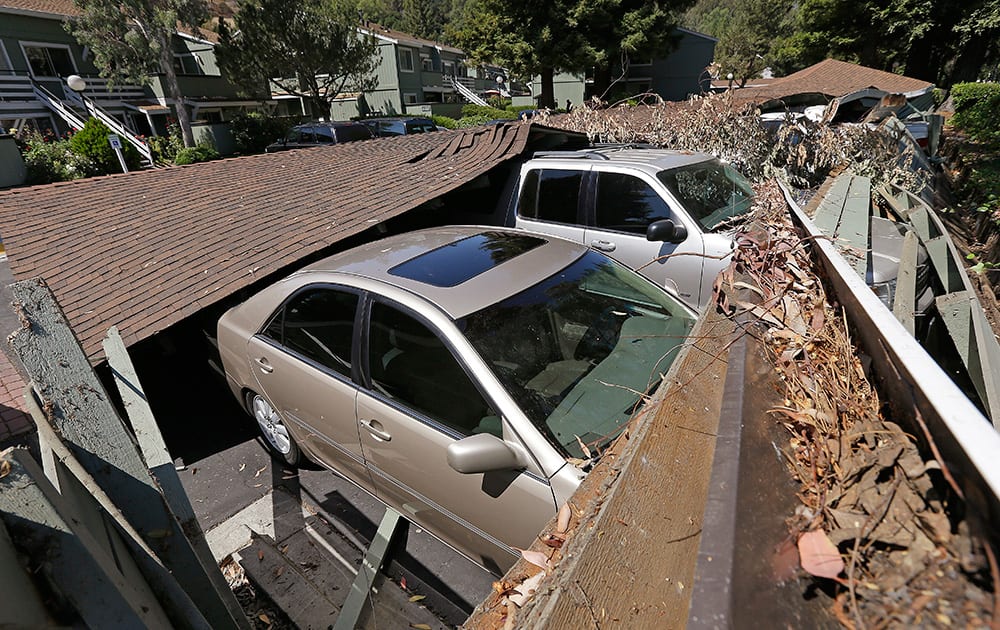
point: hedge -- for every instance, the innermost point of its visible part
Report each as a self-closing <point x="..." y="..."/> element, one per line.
<point x="976" y="106"/>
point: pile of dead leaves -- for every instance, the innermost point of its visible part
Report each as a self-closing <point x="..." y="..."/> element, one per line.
<point x="799" y="151"/>
<point x="879" y="521"/>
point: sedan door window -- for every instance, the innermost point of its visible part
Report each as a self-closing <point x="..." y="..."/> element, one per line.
<point x="412" y="365"/>
<point x="627" y="204"/>
<point x="318" y="324"/>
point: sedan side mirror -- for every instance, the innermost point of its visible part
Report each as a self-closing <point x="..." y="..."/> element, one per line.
<point x="666" y="231"/>
<point x="483" y="453"/>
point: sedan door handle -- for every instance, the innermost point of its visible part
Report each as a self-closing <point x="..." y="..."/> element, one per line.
<point x="264" y="365"/>
<point x="604" y="246"/>
<point x="376" y="429"/>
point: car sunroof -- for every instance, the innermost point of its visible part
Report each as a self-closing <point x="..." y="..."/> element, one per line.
<point x="454" y="263"/>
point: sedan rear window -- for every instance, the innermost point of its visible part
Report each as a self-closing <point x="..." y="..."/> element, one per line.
<point x="579" y="350"/>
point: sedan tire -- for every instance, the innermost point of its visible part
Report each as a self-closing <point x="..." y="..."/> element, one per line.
<point x="276" y="438"/>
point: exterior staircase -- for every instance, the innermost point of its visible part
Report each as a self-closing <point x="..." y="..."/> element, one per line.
<point x="73" y="119"/>
<point x="466" y="93"/>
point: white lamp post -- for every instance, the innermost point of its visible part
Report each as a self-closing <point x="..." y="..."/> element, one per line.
<point x="76" y="83"/>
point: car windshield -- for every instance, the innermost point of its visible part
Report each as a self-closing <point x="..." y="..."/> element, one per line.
<point x="712" y="192"/>
<point x="579" y="350"/>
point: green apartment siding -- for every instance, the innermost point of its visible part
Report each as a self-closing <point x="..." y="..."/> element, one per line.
<point x="679" y="75"/>
<point x="15" y="29"/>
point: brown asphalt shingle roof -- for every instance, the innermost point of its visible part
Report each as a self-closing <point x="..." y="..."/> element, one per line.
<point x="832" y="78"/>
<point x="144" y="250"/>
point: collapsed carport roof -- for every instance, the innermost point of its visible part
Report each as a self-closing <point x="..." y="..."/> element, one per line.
<point x="144" y="250"/>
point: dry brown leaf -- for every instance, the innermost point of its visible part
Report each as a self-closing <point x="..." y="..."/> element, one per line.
<point x="263" y="617"/>
<point x="4" y="468"/>
<point x="818" y="556"/>
<point x="420" y="626"/>
<point x="260" y="555"/>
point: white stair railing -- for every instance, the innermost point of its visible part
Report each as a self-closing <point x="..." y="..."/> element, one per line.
<point x="55" y="104"/>
<point x="467" y="94"/>
<point x="114" y="125"/>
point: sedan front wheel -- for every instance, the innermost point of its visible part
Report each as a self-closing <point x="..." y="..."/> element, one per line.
<point x="272" y="428"/>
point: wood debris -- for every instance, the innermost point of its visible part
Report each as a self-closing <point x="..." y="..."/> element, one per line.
<point x="868" y="494"/>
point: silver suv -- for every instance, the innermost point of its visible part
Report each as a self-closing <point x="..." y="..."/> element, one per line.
<point x="668" y="214"/>
<point x="461" y="375"/>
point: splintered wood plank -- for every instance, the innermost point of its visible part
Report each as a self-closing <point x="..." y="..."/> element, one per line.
<point x="904" y="304"/>
<point x="161" y="464"/>
<point x="945" y="265"/>
<point x="855" y="223"/>
<point x="827" y="215"/>
<point x="79" y="410"/>
<point x="976" y="345"/>
<point x="48" y="531"/>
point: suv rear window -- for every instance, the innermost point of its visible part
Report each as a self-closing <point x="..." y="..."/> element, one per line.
<point x="551" y="195"/>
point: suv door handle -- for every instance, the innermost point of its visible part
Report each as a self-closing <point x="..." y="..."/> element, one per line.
<point x="604" y="246"/>
<point x="265" y="367"/>
<point x="375" y="429"/>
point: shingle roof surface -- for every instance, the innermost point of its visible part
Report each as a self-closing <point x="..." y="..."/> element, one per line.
<point x="833" y="78"/>
<point x="56" y="7"/>
<point x="144" y="250"/>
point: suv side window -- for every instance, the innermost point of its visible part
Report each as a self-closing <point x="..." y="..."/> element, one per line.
<point x="324" y="135"/>
<point x="318" y="324"/>
<point x="551" y="195"/>
<point x="410" y="364"/>
<point x="627" y="204"/>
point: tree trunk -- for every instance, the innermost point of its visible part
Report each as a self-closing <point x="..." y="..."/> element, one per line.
<point x="602" y="81"/>
<point x="547" y="98"/>
<point x="174" y="89"/>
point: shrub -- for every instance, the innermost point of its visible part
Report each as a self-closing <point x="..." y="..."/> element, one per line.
<point x="204" y="152"/>
<point x="490" y="113"/>
<point x="976" y="105"/>
<point x="49" y="159"/>
<point x="253" y="131"/>
<point x="472" y="121"/>
<point x="92" y="143"/>
<point x="444" y="121"/>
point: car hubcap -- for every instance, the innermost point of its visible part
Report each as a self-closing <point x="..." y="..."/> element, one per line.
<point x="271" y="427"/>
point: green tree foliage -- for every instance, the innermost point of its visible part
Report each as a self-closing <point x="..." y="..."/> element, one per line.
<point x="387" y="13"/>
<point x="132" y="40"/>
<point x="941" y="41"/>
<point x="92" y="143"/>
<point x="976" y="106"/>
<point x="529" y="37"/>
<point x="538" y="37"/>
<point x="424" y="18"/>
<point x="620" y="32"/>
<point x="309" y="48"/>
<point x="750" y="34"/>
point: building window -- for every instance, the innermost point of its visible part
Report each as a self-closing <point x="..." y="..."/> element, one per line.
<point x="426" y="64"/>
<point x="187" y="63"/>
<point x="5" y="65"/>
<point x="405" y="60"/>
<point x="409" y="98"/>
<point x="448" y="68"/>
<point x="49" y="60"/>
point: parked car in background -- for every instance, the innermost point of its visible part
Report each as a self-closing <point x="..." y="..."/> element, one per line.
<point x="382" y="127"/>
<point x="670" y="215"/>
<point x="459" y="374"/>
<point x="321" y="133"/>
